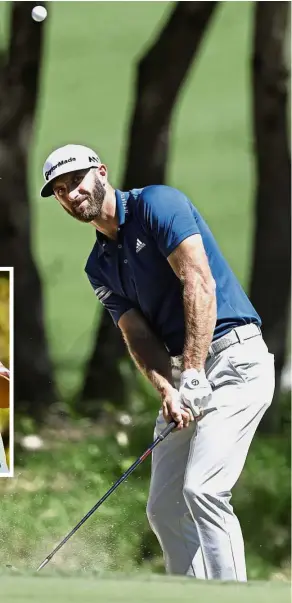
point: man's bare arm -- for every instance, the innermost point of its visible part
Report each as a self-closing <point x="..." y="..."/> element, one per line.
<point x="190" y="264"/>
<point x="153" y="360"/>
<point x="147" y="351"/>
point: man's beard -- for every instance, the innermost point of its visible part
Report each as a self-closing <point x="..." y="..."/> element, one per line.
<point x="92" y="209"/>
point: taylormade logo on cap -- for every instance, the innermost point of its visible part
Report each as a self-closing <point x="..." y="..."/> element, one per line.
<point x="48" y="174"/>
<point x="66" y="159"/>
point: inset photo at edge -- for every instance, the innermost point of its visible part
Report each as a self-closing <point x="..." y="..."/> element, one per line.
<point x="6" y="384"/>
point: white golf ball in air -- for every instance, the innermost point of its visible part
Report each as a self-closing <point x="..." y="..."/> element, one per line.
<point x="39" y="13"/>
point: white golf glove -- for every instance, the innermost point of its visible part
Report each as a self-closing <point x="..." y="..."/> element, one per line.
<point x="195" y="390"/>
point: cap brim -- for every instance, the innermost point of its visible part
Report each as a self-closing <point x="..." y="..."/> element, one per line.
<point x="47" y="190"/>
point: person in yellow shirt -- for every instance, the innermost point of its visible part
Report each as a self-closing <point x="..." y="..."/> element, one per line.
<point x="4" y="413"/>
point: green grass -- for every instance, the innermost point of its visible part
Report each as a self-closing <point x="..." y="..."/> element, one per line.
<point x="56" y="486"/>
<point x="127" y="589"/>
<point x="86" y="96"/>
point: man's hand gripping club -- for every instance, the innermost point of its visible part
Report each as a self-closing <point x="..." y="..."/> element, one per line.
<point x="173" y="409"/>
<point x="195" y="391"/>
<point x="187" y="404"/>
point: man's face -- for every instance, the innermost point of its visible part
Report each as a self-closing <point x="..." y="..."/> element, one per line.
<point x="81" y="193"/>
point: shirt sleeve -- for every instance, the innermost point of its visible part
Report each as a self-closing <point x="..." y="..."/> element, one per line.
<point x="168" y="215"/>
<point x="115" y="304"/>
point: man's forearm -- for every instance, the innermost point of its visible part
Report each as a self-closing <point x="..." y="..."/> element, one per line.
<point x="200" y="319"/>
<point x="150" y="356"/>
<point x="190" y="264"/>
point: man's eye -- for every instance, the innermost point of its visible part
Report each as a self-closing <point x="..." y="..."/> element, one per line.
<point x="77" y="179"/>
<point x="60" y="191"/>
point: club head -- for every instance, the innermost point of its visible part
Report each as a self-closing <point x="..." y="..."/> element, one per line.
<point x="43" y="564"/>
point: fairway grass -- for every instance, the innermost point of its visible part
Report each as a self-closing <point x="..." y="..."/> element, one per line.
<point x="125" y="589"/>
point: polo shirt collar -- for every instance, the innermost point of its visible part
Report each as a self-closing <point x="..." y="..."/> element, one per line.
<point x="122" y="205"/>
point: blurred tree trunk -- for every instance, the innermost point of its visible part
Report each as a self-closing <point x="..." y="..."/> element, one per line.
<point x="19" y="77"/>
<point x="270" y="281"/>
<point x="160" y="75"/>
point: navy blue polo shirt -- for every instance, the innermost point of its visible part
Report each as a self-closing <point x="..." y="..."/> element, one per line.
<point x="133" y="271"/>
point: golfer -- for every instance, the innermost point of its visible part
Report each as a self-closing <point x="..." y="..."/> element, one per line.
<point x="193" y="332"/>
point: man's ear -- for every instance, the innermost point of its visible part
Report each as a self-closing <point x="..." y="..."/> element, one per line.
<point x="102" y="170"/>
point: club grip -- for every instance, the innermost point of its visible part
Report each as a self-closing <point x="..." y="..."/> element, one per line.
<point x="167" y="430"/>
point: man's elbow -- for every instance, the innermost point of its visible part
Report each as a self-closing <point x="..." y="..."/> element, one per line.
<point x="201" y="279"/>
<point x="208" y="285"/>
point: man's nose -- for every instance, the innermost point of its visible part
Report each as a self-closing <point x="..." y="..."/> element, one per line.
<point x="75" y="193"/>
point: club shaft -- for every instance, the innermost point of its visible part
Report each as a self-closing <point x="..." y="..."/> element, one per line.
<point x="161" y="437"/>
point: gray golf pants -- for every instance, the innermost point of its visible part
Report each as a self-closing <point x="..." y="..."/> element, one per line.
<point x="194" y="470"/>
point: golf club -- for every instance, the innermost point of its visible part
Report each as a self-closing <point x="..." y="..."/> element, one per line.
<point x="159" y="438"/>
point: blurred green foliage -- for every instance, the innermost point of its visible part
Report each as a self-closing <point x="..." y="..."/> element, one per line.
<point x="75" y="465"/>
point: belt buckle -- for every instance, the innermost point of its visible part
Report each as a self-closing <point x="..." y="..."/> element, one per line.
<point x="177" y="362"/>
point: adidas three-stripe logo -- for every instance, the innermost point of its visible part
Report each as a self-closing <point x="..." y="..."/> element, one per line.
<point x="139" y="245"/>
<point x="102" y="293"/>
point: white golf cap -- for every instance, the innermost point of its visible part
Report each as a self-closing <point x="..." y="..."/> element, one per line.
<point x="66" y="159"/>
